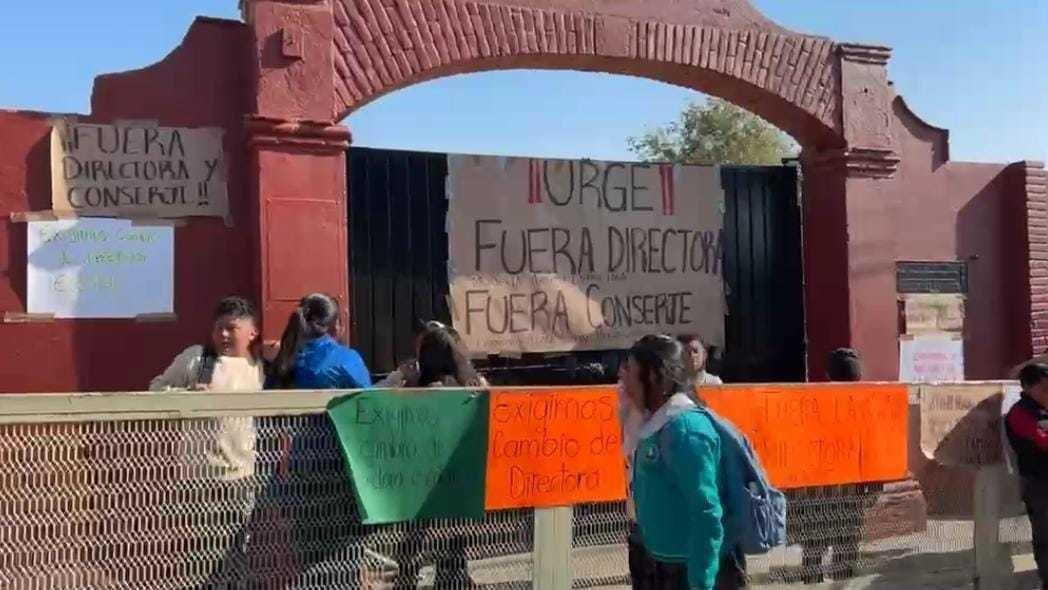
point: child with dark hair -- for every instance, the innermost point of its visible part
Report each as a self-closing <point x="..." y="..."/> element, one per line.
<point x="844" y="365"/>
<point x="698" y="357"/>
<point x="441" y="360"/>
<point x="444" y="362"/>
<point x="310" y="357"/>
<point x="675" y="477"/>
<point x="1027" y="429"/>
<point x="827" y="526"/>
<point x="226" y="363"/>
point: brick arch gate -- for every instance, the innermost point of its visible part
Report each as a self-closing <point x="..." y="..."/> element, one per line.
<point x="315" y="61"/>
<point x="792" y="80"/>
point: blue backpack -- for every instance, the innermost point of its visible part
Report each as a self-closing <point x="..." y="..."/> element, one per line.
<point x="754" y="511"/>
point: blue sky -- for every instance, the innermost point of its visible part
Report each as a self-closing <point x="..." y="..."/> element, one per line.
<point x="977" y="67"/>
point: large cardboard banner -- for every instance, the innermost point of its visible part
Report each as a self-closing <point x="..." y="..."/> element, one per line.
<point x="99" y="268"/>
<point x="137" y="170"/>
<point x="554" y="447"/>
<point x="961" y="425"/>
<point x="821" y="435"/>
<point x="556" y="255"/>
<point x="414" y="455"/>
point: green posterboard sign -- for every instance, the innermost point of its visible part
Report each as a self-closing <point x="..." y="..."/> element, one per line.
<point x="414" y="455"/>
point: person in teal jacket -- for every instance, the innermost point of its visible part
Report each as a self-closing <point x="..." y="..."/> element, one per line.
<point x="676" y="472"/>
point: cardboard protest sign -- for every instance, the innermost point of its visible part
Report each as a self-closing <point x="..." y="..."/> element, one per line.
<point x="414" y="455"/>
<point x="137" y="170"/>
<point x="821" y="435"/>
<point x="930" y="359"/>
<point x="556" y="255"/>
<point x="99" y="268"/>
<point x="933" y="313"/>
<point x="554" y="447"/>
<point x="961" y="425"/>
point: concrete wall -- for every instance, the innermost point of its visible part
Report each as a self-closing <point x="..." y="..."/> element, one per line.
<point x="199" y="84"/>
<point x="937" y="210"/>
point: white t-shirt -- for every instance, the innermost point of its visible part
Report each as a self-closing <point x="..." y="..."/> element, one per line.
<point x="705" y="378"/>
<point x="223" y="446"/>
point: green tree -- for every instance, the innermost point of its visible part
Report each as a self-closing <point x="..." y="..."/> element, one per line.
<point x="715" y="132"/>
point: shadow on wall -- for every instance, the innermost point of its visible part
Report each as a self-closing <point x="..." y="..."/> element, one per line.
<point x="38" y="197"/>
<point x="991" y="239"/>
<point x="949" y="489"/>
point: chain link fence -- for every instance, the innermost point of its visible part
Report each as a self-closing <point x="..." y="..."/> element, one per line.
<point x="149" y="504"/>
<point x="115" y="503"/>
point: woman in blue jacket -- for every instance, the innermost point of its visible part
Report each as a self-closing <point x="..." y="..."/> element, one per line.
<point x="676" y="472"/>
<point x="310" y="357"/>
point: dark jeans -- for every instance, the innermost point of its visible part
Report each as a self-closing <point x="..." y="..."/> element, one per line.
<point x="316" y="528"/>
<point x="421" y="545"/>
<point x="1035" y="494"/>
<point x="300" y="522"/>
<point x="648" y="574"/>
<point x="232" y="531"/>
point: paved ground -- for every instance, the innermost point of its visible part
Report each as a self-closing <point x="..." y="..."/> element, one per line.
<point x="940" y="558"/>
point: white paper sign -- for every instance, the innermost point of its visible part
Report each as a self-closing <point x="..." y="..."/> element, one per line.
<point x="931" y="360"/>
<point x="99" y="268"/>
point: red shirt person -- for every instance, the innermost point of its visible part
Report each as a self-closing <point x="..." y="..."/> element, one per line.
<point x="1027" y="427"/>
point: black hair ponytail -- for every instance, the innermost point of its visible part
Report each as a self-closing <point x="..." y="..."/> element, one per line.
<point x="664" y="369"/>
<point x="441" y="356"/>
<point x="315" y="316"/>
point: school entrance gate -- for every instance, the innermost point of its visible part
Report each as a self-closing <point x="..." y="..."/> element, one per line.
<point x="398" y="249"/>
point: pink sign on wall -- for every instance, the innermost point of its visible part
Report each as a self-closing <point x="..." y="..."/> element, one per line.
<point x="931" y="360"/>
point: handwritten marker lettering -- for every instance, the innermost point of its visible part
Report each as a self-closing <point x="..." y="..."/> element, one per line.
<point x="556" y="255"/>
<point x="550" y="448"/>
<point x="134" y="170"/>
<point x="202" y="200"/>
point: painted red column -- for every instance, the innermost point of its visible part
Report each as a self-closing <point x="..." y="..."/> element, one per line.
<point x="827" y="313"/>
<point x="300" y="172"/>
<point x="849" y="252"/>
<point x="297" y="159"/>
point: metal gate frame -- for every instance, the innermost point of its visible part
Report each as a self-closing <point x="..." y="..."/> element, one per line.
<point x="398" y="269"/>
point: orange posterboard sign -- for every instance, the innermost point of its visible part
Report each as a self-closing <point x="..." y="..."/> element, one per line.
<point x="554" y="447"/>
<point x="816" y="435"/>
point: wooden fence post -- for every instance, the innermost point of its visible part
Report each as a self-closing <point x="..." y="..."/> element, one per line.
<point x="991" y="567"/>
<point x="552" y="552"/>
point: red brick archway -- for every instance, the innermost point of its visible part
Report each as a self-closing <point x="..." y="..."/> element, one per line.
<point x="318" y="60"/>
<point x="791" y="80"/>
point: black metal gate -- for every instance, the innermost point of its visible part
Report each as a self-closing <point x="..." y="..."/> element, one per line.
<point x="398" y="262"/>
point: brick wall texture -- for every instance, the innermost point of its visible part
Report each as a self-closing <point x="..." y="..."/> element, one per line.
<point x="383" y="45"/>
<point x="1034" y="181"/>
